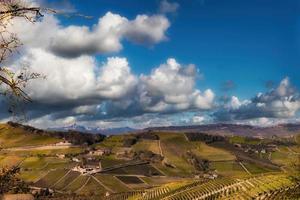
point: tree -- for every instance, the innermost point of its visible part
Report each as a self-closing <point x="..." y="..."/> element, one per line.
<point x="12" y="84"/>
<point x="10" y="183"/>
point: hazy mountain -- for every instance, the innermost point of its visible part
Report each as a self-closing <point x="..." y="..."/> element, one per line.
<point x="284" y="130"/>
<point x="105" y="131"/>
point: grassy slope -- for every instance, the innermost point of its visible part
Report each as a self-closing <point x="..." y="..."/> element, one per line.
<point x="244" y="140"/>
<point x="229" y="168"/>
<point x="17" y="137"/>
<point x="112" y="142"/>
<point x="93" y="188"/>
<point x="174" y="147"/>
<point x="212" y="153"/>
<point x="109" y="161"/>
<point x="112" y="182"/>
<point x="9" y="160"/>
<point x="150" y="145"/>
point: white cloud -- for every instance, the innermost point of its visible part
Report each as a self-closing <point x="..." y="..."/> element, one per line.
<point x="171" y="87"/>
<point x="168" y="7"/>
<point x="76" y="88"/>
<point x="77" y="79"/>
<point x="147" y="29"/>
<point x="86" y="109"/>
<point x="104" y="37"/>
<point x="66" y="79"/>
<point x="115" y="80"/>
<point x="198" y="119"/>
<point x="282" y="102"/>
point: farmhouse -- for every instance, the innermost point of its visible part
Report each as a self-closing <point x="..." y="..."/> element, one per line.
<point x="92" y="163"/>
<point x="64" y="143"/>
<point x="88" y="167"/>
<point x="61" y="156"/>
<point x="76" y="160"/>
<point x="100" y="152"/>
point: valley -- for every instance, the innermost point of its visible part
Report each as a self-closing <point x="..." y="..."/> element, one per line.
<point x="151" y="165"/>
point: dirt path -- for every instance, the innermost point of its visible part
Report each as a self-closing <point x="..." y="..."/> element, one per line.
<point x="160" y="149"/>
<point x="243" y="166"/>
<point x="46" y="147"/>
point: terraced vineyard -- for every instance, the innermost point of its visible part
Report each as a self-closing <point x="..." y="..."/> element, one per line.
<point x="257" y="187"/>
<point x="162" y="165"/>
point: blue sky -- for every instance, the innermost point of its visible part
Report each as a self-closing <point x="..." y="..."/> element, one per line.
<point x="248" y="42"/>
<point x="239" y="61"/>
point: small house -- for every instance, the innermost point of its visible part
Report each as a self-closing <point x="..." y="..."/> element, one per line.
<point x="75" y="160"/>
<point x="61" y="156"/>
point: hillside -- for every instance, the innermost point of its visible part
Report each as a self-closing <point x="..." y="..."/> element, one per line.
<point x="282" y="130"/>
<point x="151" y="164"/>
<point x="14" y="131"/>
<point x="11" y="136"/>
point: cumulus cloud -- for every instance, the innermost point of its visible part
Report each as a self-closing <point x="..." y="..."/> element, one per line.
<point x="76" y="79"/>
<point x="78" y="88"/>
<point x="87" y="91"/>
<point x="168" y="7"/>
<point x="281" y="102"/>
<point x="104" y="37"/>
<point x="147" y="30"/>
<point x="171" y="87"/>
<point x="115" y="80"/>
<point x="198" y="119"/>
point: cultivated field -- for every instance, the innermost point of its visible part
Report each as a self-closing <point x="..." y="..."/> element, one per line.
<point x="165" y="171"/>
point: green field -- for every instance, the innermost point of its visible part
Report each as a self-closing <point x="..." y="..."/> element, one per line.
<point x="76" y="184"/>
<point x="256" y="169"/>
<point x="212" y="153"/>
<point x="109" y="161"/>
<point x="229" y="168"/>
<point x="284" y="158"/>
<point x="174" y="147"/>
<point x="149" y="145"/>
<point x="112" y="142"/>
<point x="51" y="178"/>
<point x="244" y="140"/>
<point x="112" y="182"/>
<point x="10" y="160"/>
<point x="92" y="188"/>
<point x="17" y="137"/>
<point x="178" y="170"/>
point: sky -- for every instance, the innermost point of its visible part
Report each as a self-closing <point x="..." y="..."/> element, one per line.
<point x="161" y="62"/>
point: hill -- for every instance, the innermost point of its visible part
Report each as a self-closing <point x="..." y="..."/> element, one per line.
<point x="282" y="130"/>
<point x="150" y="164"/>
<point x="75" y="137"/>
<point x="14" y="136"/>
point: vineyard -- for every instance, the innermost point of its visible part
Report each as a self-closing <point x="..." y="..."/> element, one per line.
<point x="272" y="186"/>
<point x="154" y="166"/>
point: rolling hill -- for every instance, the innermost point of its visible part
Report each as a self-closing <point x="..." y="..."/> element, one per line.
<point x="152" y="164"/>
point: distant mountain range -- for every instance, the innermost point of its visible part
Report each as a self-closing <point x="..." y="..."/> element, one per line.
<point x="105" y="131"/>
<point x="283" y="130"/>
